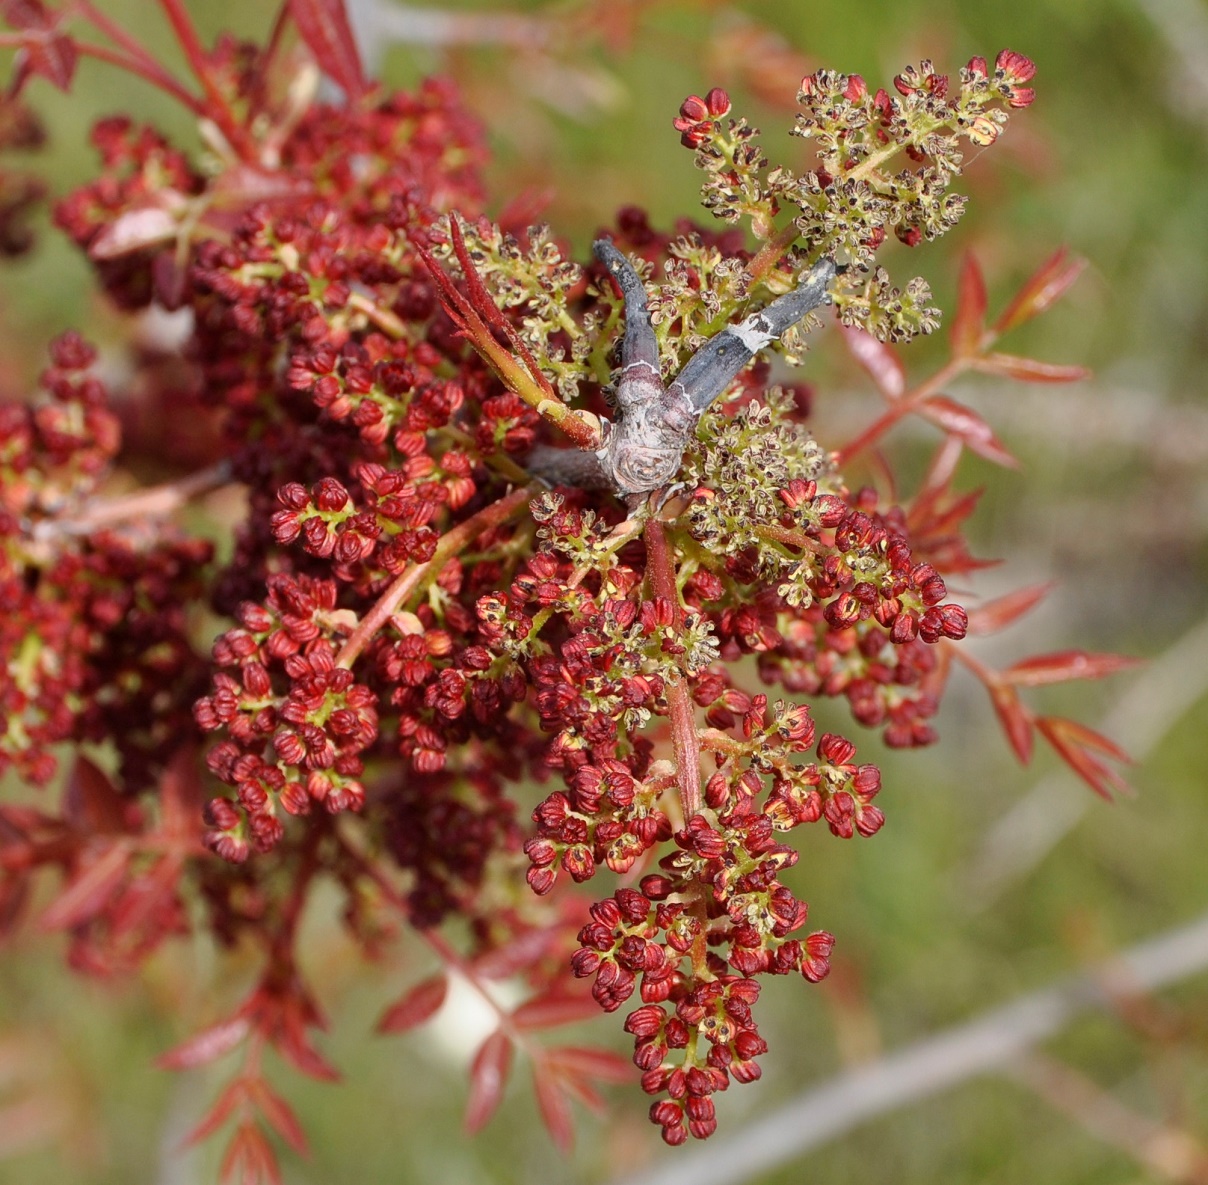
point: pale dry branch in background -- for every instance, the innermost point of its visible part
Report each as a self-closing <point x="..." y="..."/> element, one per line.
<point x="1163" y="1149"/>
<point x="1155" y="702"/>
<point x="987" y="1044"/>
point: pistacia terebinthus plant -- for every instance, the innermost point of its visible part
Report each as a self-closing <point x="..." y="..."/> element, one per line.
<point x="508" y="520"/>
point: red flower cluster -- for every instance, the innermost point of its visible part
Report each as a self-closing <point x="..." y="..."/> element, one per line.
<point x="417" y="628"/>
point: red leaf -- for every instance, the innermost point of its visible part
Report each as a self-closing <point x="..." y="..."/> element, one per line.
<point x="1063" y="665"/>
<point x="44" y="50"/>
<point x="292" y="1044"/>
<point x="968" y="427"/>
<point x="416" y="1006"/>
<point x="1029" y="370"/>
<point x="180" y="796"/>
<point x="89" y="891"/>
<point x="27" y="14"/>
<point x="224" y="1106"/>
<point x="1014" y="718"/>
<point x="526" y="380"/>
<point x="938" y="519"/>
<point x="91" y="803"/>
<point x="970" y="320"/>
<point x="325" y="29"/>
<point x="484" y="304"/>
<point x="554" y="1106"/>
<point x="588" y="1062"/>
<point x="554" y="1008"/>
<point x="134" y="230"/>
<point x="1045" y="286"/>
<point x="278" y="1114"/>
<point x="206" y="1046"/>
<point x="488" y="1077"/>
<point x="1006" y="610"/>
<point x="249" y="1159"/>
<point x="520" y="952"/>
<point x="14" y="895"/>
<point x="878" y="360"/>
<point x="1072" y="742"/>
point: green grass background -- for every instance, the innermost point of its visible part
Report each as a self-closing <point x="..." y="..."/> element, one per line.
<point x="1111" y="501"/>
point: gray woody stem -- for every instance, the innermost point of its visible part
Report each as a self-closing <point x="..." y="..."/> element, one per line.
<point x="644" y="449"/>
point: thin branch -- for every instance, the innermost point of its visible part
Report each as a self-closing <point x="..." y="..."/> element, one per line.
<point x="217" y="107"/>
<point x="684" y="739"/>
<point x="411" y="580"/>
<point x="909" y="402"/>
<point x="149" y="503"/>
<point x="1163" y="1149"/>
<point x="935" y="1064"/>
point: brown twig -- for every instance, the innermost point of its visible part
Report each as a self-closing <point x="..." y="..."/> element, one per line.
<point x="149" y="503"/>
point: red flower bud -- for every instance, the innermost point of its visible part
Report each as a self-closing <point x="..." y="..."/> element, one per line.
<point x="835" y="750"/>
<point x="1015" y="66"/>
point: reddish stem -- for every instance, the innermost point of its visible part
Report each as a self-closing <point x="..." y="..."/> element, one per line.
<point x="148" y="503"/>
<point x="791" y="537"/>
<point x="217" y="107"/>
<point x="119" y="36"/>
<point x="408" y="581"/>
<point x="902" y="407"/>
<point x="271" y="47"/>
<point x="684" y="740"/>
<point x="148" y="70"/>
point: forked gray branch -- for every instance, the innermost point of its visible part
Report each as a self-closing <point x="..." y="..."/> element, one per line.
<point x="644" y="448"/>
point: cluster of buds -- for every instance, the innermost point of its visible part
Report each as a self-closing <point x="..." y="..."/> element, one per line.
<point x="855" y="194"/>
<point x="421" y="624"/>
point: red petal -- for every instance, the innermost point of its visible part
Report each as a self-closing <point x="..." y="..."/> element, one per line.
<point x="325" y="29"/>
<point x="418" y="1005"/>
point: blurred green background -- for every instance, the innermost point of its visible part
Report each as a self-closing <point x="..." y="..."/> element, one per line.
<point x="988" y="879"/>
